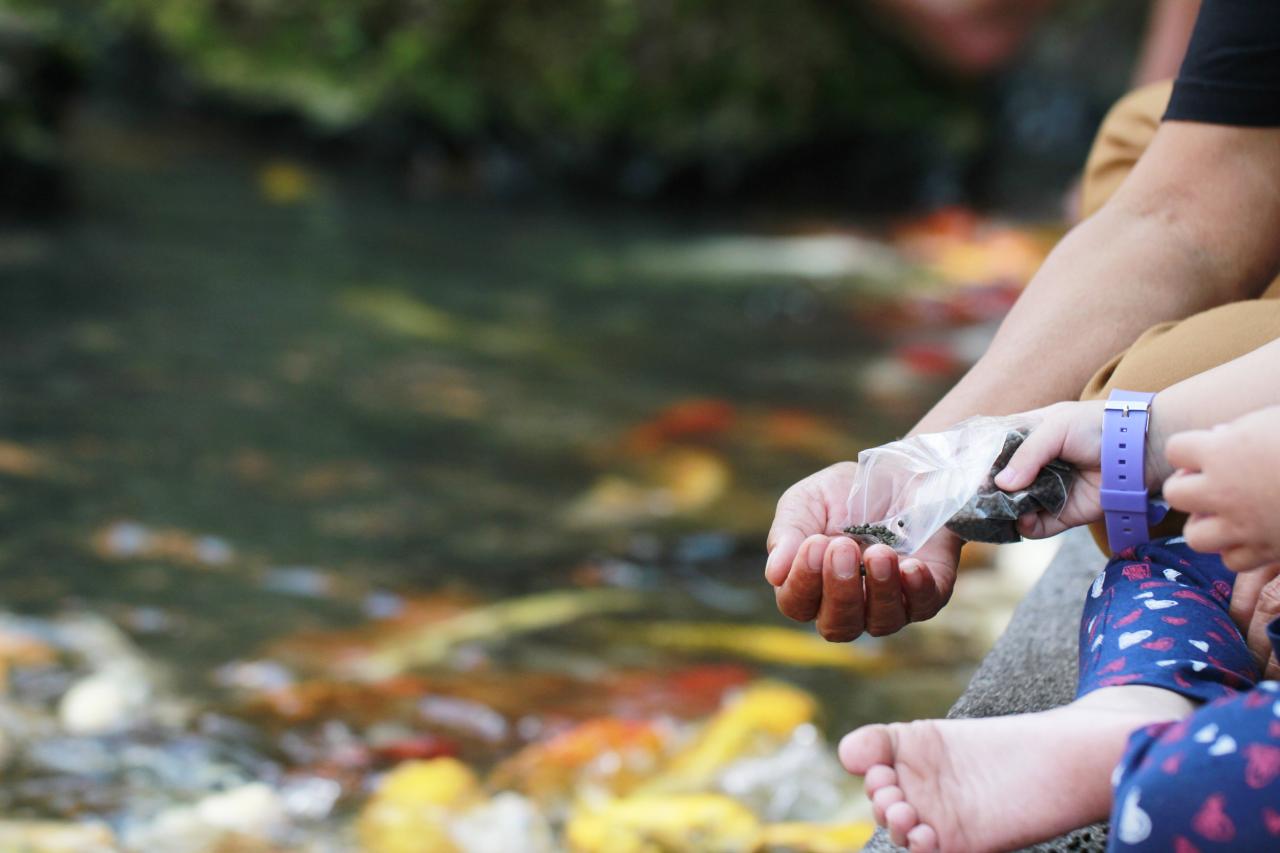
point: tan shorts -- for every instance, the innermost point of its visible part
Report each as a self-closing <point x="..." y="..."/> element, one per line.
<point x="1169" y="352"/>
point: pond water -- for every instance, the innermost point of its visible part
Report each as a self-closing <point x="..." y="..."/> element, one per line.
<point x="289" y="430"/>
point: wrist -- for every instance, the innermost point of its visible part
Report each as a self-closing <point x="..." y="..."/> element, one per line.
<point x="1125" y="485"/>
<point x="1156" y="468"/>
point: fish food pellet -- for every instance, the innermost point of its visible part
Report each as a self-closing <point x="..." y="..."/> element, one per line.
<point x="873" y="534"/>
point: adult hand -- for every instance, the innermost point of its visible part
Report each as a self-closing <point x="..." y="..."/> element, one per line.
<point x="815" y="570"/>
<point x="1071" y="432"/>
<point x="1228" y="481"/>
<point x="1255" y="601"/>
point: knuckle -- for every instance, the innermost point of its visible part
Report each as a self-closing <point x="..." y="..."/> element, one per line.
<point x="794" y="610"/>
<point x="797" y="611"/>
<point x="1234" y="505"/>
<point x="884" y="629"/>
<point x="1269" y="603"/>
<point x="841" y="468"/>
<point x="925" y="612"/>
<point x="797" y="491"/>
<point x="788" y="496"/>
<point x="1269" y="597"/>
<point x="795" y="614"/>
<point x="886" y="598"/>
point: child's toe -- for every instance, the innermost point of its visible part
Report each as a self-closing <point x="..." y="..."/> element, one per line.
<point x="922" y="839"/>
<point x="900" y="818"/>
<point x="879" y="776"/>
<point x="863" y="748"/>
<point x="883" y="799"/>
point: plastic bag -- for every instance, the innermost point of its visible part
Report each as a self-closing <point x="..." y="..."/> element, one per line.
<point x="906" y="490"/>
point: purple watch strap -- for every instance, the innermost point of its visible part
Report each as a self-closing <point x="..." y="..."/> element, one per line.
<point x="1124" y="490"/>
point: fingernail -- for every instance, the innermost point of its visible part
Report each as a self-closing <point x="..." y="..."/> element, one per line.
<point x="880" y="569"/>
<point x="1006" y="477"/>
<point x="815" y="557"/>
<point x="910" y="572"/>
<point x="845" y="564"/>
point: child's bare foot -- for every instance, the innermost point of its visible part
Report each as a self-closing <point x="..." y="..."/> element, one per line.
<point x="1001" y="783"/>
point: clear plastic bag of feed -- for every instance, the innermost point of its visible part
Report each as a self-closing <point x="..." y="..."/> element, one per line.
<point x="907" y="490"/>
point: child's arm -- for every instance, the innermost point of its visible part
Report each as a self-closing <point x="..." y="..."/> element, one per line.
<point x="1226" y="392"/>
<point x="1073" y="431"/>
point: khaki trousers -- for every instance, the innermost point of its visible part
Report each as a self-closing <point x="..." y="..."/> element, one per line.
<point x="1169" y="352"/>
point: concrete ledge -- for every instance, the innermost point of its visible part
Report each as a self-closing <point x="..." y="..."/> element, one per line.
<point x="1032" y="667"/>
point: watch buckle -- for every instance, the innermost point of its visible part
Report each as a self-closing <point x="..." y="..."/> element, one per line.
<point x="1126" y="406"/>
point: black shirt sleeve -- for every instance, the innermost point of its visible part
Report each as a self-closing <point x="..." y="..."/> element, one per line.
<point x="1231" y="74"/>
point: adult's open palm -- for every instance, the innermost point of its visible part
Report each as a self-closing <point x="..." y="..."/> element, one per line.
<point x="816" y="569"/>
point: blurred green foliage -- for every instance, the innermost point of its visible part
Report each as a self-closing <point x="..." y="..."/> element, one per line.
<point x="678" y="81"/>
<point x="36" y="80"/>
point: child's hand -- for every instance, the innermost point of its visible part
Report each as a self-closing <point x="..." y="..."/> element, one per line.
<point x="1228" y="480"/>
<point x="1071" y="432"/>
<point x="1255" y="603"/>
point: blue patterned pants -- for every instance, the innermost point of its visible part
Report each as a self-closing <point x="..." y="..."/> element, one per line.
<point x="1157" y="615"/>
